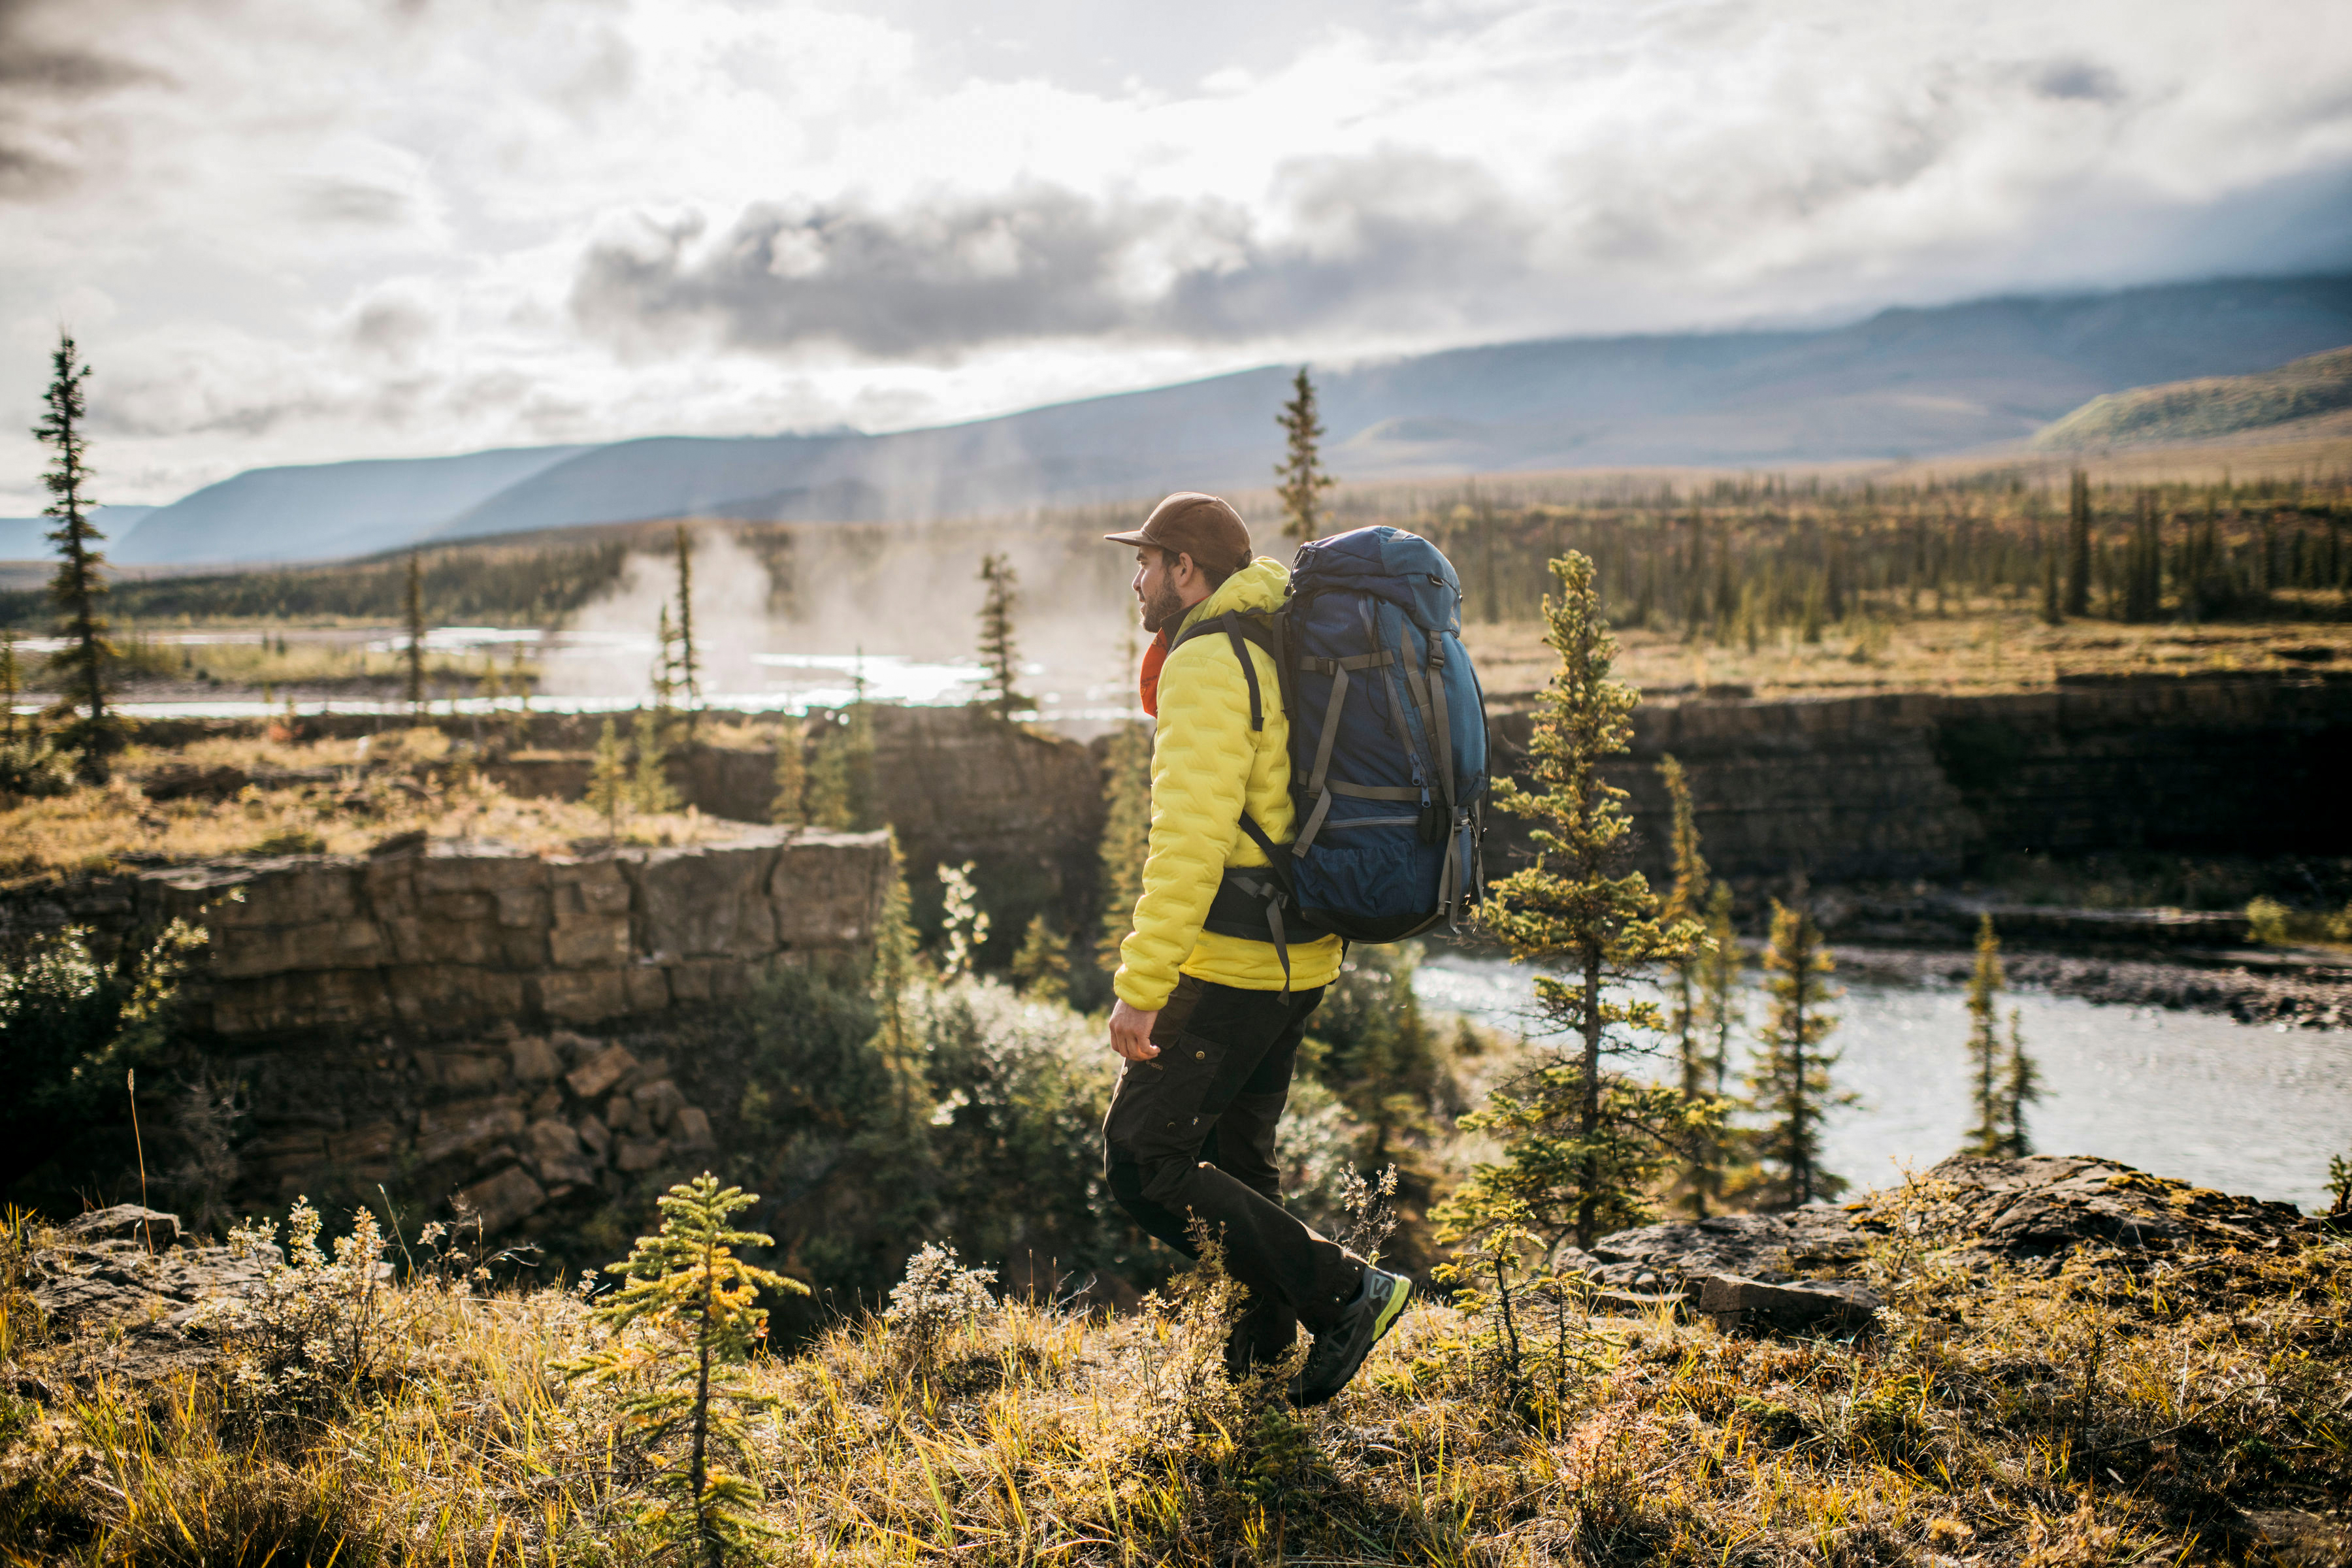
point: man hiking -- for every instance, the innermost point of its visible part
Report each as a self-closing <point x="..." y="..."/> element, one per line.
<point x="1208" y="1023"/>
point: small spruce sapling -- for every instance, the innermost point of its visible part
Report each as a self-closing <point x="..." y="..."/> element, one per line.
<point x="688" y="673"/>
<point x="1789" y="1083"/>
<point x="789" y="807"/>
<point x="1041" y="970"/>
<point x="1126" y="835"/>
<point x="412" y="618"/>
<point x="608" y="781"/>
<point x="2339" y="1185"/>
<point x="893" y="972"/>
<point x="1300" y="480"/>
<point x="1000" y="654"/>
<point x="80" y="588"/>
<point x="2020" y="1086"/>
<point x="1986" y="1136"/>
<point x="1686" y="985"/>
<point x="650" y="789"/>
<point x="1581" y="1145"/>
<point x="693" y="1305"/>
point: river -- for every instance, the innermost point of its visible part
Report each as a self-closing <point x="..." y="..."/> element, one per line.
<point x="2246" y="1107"/>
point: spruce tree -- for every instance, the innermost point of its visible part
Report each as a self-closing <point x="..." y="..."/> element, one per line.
<point x="1126" y="836"/>
<point x="1789" y="1083"/>
<point x="1580" y="1144"/>
<point x="2020" y="1086"/>
<point x="412" y="618"/>
<point x="1720" y="1016"/>
<point x="664" y="672"/>
<point x="698" y="1303"/>
<point x="892" y="973"/>
<point x="1041" y="970"/>
<point x="1000" y="654"/>
<point x="650" y="791"/>
<point x="10" y="685"/>
<point x="518" y="716"/>
<point x="841" y="778"/>
<point x="1300" y="480"/>
<point x="608" y="780"/>
<point x="2144" y="564"/>
<point x="1685" y="986"/>
<point x="689" y="658"/>
<point x="1984" y="1041"/>
<point x="789" y="807"/>
<point x="828" y="797"/>
<point x="2078" y="545"/>
<point x="79" y="586"/>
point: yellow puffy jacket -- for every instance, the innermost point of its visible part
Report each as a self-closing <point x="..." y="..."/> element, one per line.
<point x="1205" y="761"/>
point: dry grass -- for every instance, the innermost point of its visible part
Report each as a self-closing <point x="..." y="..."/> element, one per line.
<point x="1985" y="651"/>
<point x="2109" y="1415"/>
<point x="398" y="782"/>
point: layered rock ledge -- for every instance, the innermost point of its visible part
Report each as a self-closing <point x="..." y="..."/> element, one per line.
<point x="447" y="936"/>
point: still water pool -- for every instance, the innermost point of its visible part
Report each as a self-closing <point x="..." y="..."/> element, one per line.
<point x="2246" y="1107"/>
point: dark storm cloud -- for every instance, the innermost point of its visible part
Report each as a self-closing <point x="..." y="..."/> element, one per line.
<point x="48" y="77"/>
<point x="2078" y="80"/>
<point x="1389" y="233"/>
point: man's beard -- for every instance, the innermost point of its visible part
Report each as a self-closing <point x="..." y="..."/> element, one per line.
<point x="1163" y="609"/>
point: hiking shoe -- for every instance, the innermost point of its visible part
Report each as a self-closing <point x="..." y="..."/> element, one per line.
<point x="1342" y="1349"/>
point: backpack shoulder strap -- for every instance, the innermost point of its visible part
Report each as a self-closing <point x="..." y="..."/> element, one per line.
<point x="1240" y="630"/>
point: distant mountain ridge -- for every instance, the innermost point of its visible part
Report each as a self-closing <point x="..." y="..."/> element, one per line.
<point x="28" y="538"/>
<point x="2207" y="406"/>
<point x="1903" y="383"/>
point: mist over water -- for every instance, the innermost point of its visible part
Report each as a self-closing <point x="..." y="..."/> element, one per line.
<point x="899" y="608"/>
<point x="2246" y="1107"/>
<point x="609" y="649"/>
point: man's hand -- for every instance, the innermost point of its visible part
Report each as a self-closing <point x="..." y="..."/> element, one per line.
<point x="1130" y="1032"/>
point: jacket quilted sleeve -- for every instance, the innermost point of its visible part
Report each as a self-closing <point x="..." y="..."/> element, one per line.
<point x="1201" y="765"/>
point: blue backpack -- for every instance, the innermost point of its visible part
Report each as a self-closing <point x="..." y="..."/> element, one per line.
<point x="1388" y="748"/>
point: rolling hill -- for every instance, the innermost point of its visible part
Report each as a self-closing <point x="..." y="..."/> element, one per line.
<point x="28" y="538"/>
<point x="2207" y="406"/>
<point x="1902" y="384"/>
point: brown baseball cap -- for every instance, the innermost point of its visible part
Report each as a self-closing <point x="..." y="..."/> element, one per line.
<point x="1190" y="523"/>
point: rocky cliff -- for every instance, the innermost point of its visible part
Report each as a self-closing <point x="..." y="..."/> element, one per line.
<point x="1917" y="785"/>
<point x="449" y="936"/>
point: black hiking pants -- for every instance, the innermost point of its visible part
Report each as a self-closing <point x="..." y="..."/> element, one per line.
<point x="1190" y="1138"/>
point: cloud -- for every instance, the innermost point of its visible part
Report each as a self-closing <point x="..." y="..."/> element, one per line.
<point x="1395" y="232"/>
<point x="50" y="81"/>
<point x="344" y="227"/>
<point x="352" y="202"/>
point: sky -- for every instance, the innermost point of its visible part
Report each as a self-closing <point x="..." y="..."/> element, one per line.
<point x="290" y="231"/>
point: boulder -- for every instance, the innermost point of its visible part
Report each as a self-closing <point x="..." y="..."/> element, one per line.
<point x="661" y="1101"/>
<point x="533" y="1060"/>
<point x="468" y="1127"/>
<point x="1771" y="1247"/>
<point x="1800" y="1307"/>
<point x="600" y="1072"/>
<point x="634" y="1154"/>
<point x="692" y="1129"/>
<point x="593" y="1136"/>
<point x="146" y="1303"/>
<point x="151" y="1228"/>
